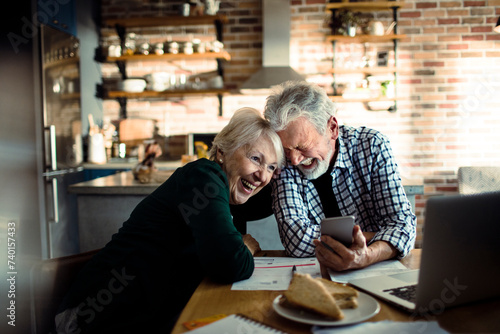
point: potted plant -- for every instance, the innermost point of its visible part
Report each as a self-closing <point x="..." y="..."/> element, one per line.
<point x="346" y="22"/>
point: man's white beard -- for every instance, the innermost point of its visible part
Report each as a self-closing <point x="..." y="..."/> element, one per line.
<point x="320" y="169"/>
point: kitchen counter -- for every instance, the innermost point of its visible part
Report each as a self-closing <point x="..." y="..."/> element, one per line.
<point x="105" y="203"/>
<point x="122" y="183"/>
<point x="129" y="164"/>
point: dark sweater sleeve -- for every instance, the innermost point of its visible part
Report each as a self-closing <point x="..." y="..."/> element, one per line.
<point x="219" y="246"/>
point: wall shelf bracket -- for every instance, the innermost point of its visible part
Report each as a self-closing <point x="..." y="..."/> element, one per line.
<point x="123" y="106"/>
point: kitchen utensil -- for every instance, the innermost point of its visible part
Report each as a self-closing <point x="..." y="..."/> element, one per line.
<point x="211" y="7"/>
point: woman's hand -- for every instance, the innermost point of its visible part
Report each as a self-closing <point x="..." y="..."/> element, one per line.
<point x="251" y="243"/>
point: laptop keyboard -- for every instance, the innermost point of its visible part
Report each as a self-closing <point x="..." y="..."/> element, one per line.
<point x="408" y="292"/>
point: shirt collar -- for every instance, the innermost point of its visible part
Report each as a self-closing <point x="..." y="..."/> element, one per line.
<point x="343" y="160"/>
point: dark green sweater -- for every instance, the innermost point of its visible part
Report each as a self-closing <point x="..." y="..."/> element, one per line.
<point x="179" y="234"/>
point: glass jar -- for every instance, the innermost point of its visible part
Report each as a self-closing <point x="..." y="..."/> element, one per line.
<point x="144" y="49"/>
<point x="198" y="46"/>
<point x="130" y="44"/>
<point x="173" y="47"/>
<point x="159" y="49"/>
<point x="187" y="48"/>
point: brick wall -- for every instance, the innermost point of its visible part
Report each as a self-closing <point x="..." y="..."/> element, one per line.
<point x="448" y="86"/>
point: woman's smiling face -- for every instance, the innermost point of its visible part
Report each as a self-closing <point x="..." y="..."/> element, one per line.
<point x="249" y="169"/>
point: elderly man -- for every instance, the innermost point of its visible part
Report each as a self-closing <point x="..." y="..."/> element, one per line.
<point x="333" y="171"/>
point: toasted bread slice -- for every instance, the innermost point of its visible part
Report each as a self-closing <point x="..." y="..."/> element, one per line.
<point x="347" y="303"/>
<point x="306" y="292"/>
<point x="345" y="296"/>
<point x="338" y="290"/>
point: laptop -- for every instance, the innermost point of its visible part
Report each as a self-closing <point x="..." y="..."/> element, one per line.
<point x="459" y="262"/>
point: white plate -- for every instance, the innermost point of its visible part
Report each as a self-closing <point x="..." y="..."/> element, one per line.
<point x="367" y="308"/>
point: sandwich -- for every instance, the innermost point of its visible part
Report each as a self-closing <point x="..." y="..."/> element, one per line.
<point x="345" y="296"/>
<point x="309" y="293"/>
<point x="320" y="296"/>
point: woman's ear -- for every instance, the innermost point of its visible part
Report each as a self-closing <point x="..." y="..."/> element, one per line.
<point x="220" y="156"/>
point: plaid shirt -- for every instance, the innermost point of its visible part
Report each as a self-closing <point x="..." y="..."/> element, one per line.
<point x="366" y="184"/>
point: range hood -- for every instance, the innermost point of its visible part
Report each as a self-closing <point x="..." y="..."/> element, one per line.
<point x="275" y="49"/>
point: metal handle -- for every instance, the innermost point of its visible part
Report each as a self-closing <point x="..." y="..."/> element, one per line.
<point x="55" y="203"/>
<point x="52" y="147"/>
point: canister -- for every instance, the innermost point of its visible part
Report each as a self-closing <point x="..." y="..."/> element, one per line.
<point x="144" y="49"/>
<point x="198" y="46"/>
<point x="173" y="47"/>
<point x="159" y="49"/>
<point x="114" y="51"/>
<point x="187" y="48"/>
<point x="185" y="9"/>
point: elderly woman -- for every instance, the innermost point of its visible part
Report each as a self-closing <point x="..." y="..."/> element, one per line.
<point x="141" y="280"/>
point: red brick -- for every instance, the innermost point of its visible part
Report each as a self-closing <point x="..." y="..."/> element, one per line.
<point x="458" y="47"/>
<point x="449" y="21"/>
<point x="424" y="5"/>
<point x="474" y="3"/>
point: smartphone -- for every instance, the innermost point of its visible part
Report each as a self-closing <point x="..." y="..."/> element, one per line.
<point x="339" y="228"/>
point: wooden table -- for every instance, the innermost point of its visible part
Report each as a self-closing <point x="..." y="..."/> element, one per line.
<point x="212" y="298"/>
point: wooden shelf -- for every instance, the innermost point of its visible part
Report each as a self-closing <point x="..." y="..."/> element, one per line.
<point x="164" y="21"/>
<point x="168" y="56"/>
<point x="364" y="5"/>
<point x="122" y="24"/>
<point x="164" y="94"/>
<point x="364" y="38"/>
<point x="364" y="70"/>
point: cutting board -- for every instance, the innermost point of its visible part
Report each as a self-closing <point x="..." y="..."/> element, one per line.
<point x="133" y="129"/>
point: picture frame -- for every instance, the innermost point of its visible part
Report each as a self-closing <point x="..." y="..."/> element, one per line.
<point x="383" y="58"/>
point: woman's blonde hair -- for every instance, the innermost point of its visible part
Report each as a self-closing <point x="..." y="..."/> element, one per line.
<point x="245" y="127"/>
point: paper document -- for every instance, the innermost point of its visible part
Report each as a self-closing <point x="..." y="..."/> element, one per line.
<point x="380" y="268"/>
<point x="275" y="273"/>
<point x="384" y="327"/>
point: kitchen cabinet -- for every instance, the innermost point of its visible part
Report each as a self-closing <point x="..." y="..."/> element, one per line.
<point x="60" y="15"/>
<point x="122" y="25"/>
<point x="365" y="68"/>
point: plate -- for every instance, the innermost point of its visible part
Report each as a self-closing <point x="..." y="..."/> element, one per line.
<point x="367" y="308"/>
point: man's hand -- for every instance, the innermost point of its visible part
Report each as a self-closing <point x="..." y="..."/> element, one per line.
<point x="358" y="255"/>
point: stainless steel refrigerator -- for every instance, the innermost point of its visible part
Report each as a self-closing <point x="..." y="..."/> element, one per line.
<point x="62" y="142"/>
<point x="38" y="89"/>
<point x="40" y="142"/>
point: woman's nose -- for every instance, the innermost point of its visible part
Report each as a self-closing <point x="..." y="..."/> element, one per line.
<point x="264" y="175"/>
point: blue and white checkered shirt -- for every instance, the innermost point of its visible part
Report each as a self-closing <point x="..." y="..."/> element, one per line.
<point x="366" y="184"/>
